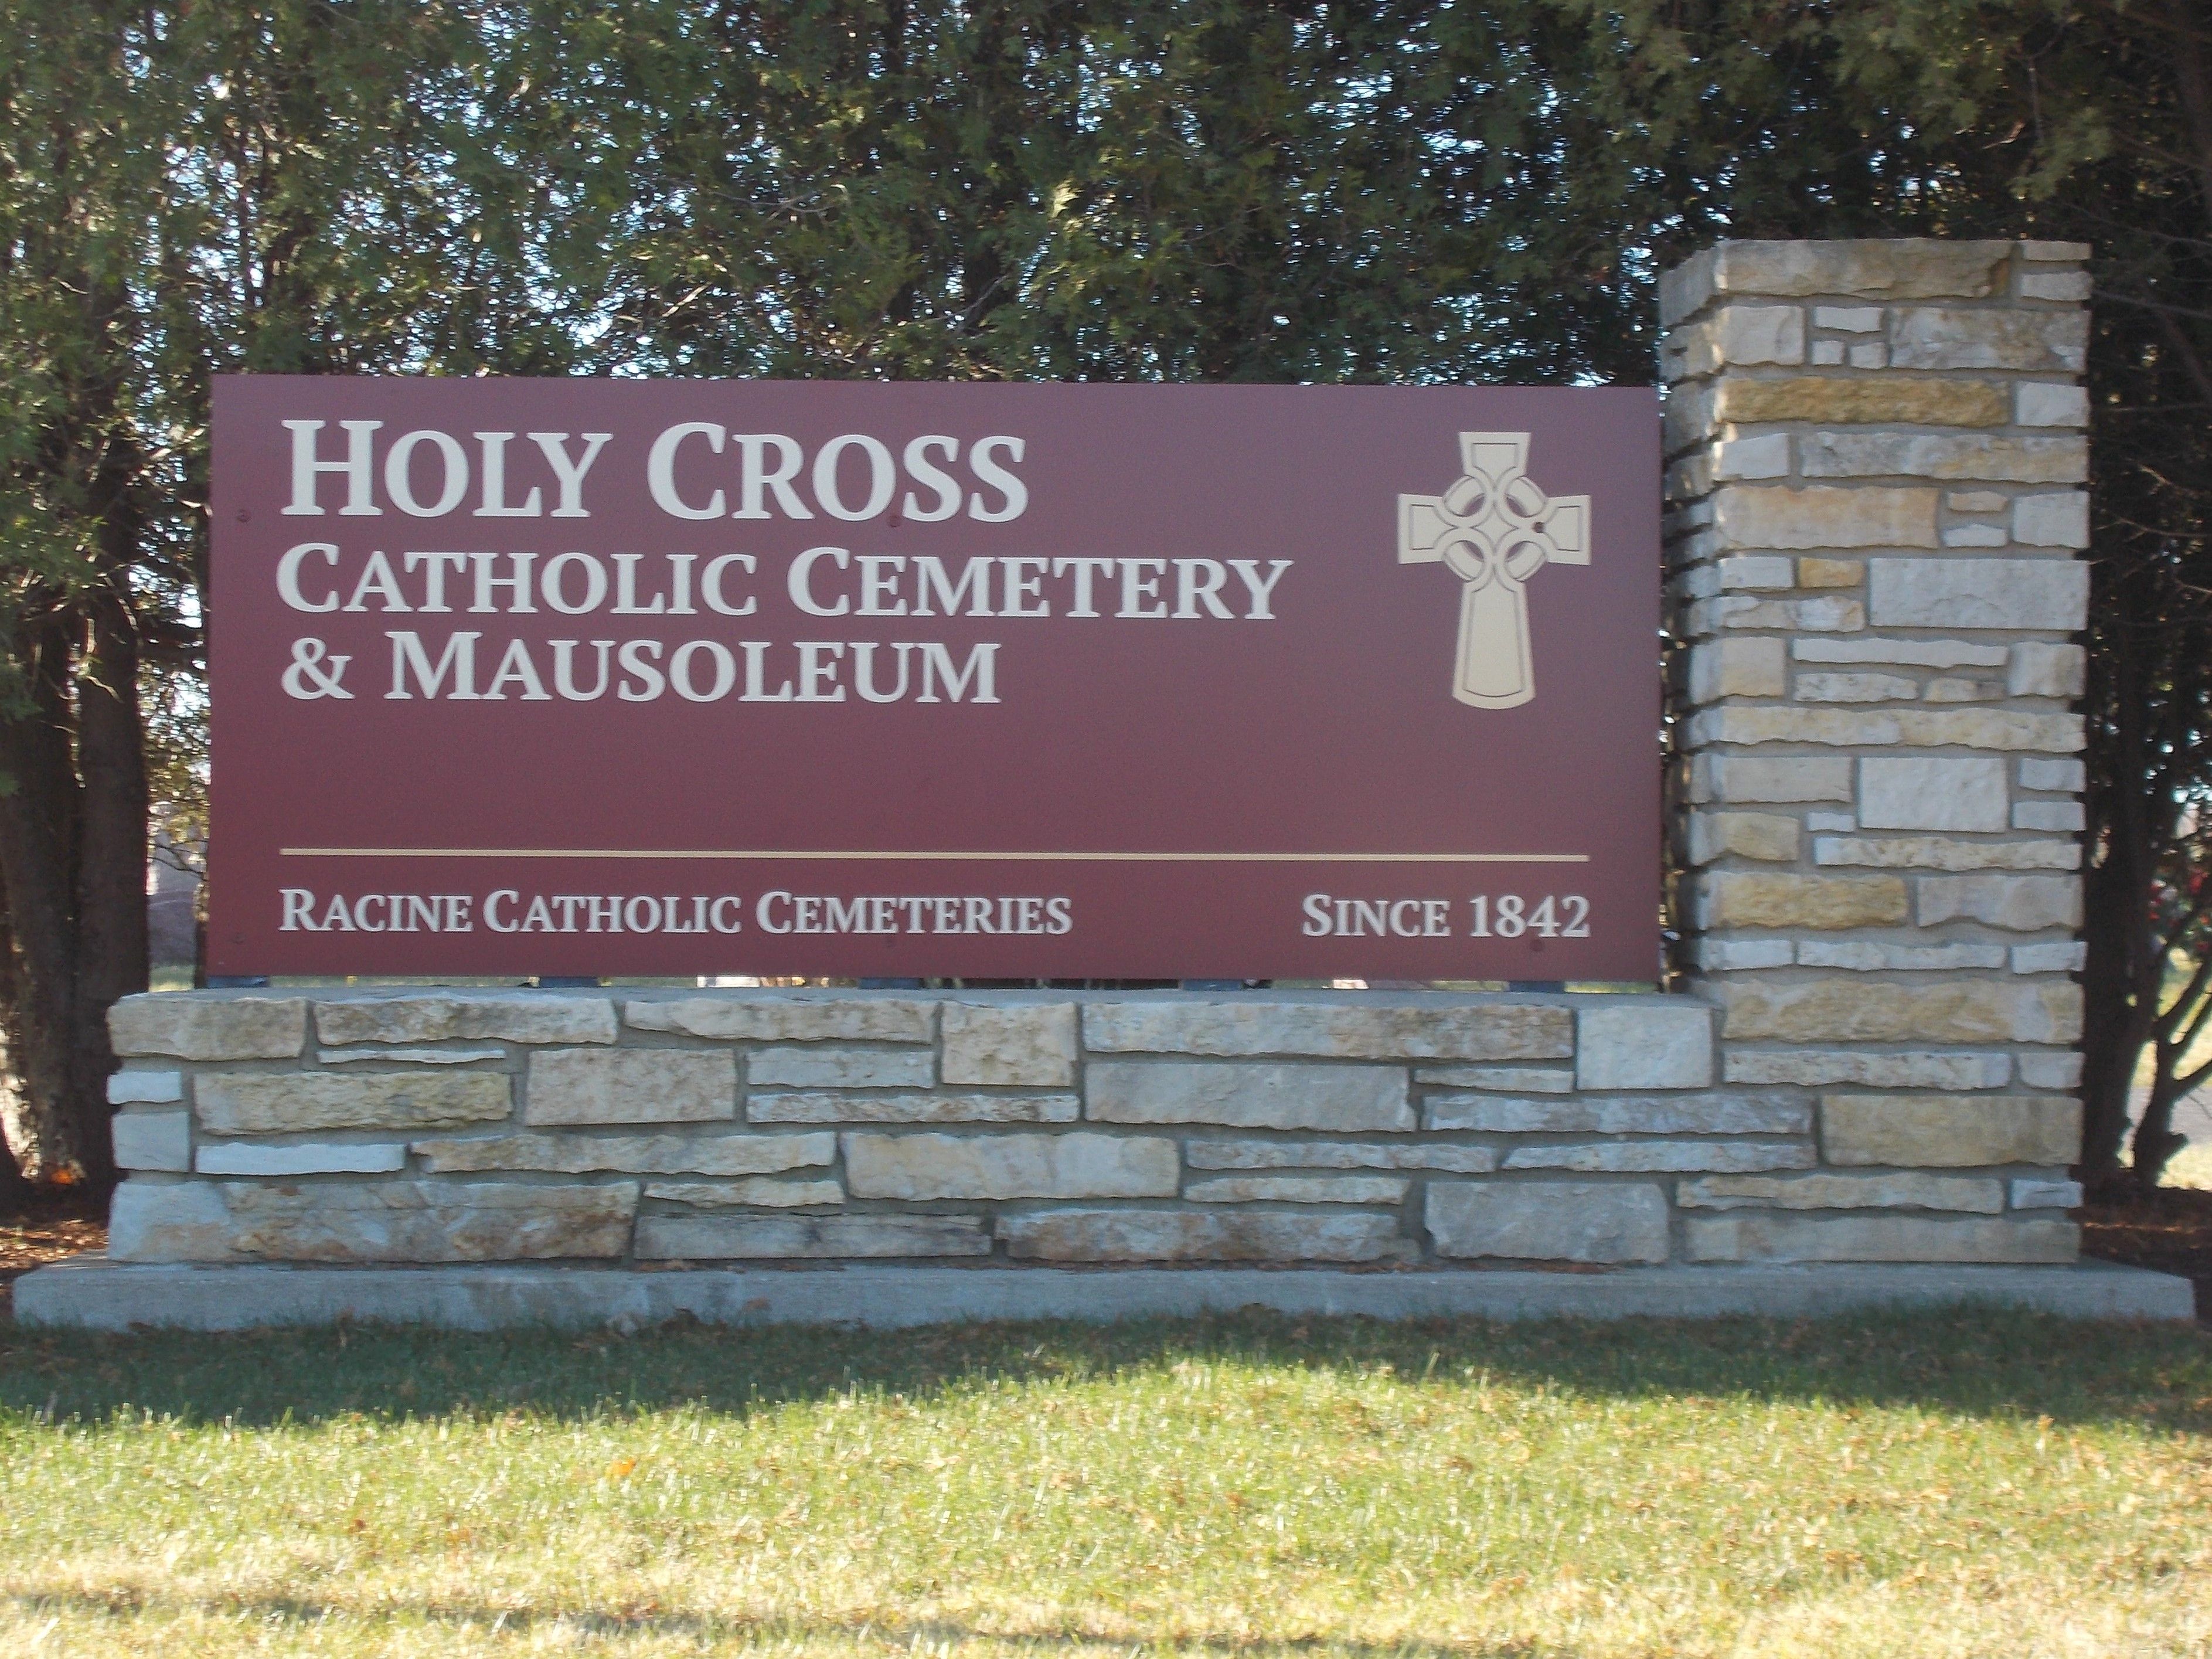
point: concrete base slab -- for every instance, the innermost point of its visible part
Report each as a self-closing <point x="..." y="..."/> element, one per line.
<point x="90" y="1292"/>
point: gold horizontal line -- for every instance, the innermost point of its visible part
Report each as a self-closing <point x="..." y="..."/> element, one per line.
<point x="801" y="855"/>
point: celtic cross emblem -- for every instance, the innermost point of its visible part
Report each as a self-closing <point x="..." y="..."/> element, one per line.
<point x="1495" y="530"/>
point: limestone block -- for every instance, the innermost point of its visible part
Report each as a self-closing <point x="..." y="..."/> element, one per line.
<point x="629" y="1086"/>
<point x="1950" y="1131"/>
<point x="299" y="1157"/>
<point x="1757" y="899"/>
<point x="1856" y="1010"/>
<point x="1639" y="1043"/>
<point x="2070" y="775"/>
<point x="1915" y="728"/>
<point x="844" y="1017"/>
<point x="1896" y="400"/>
<point x="204" y="1025"/>
<point x="1247" y="1096"/>
<point x="153" y="1140"/>
<point x="2063" y="816"/>
<point x="1201" y="1235"/>
<point x="1716" y="836"/>
<point x="1752" y="779"/>
<point x="1943" y="455"/>
<point x="1737" y="668"/>
<point x="1658" y="1156"/>
<point x="840" y="1068"/>
<point x="1722" y="955"/>
<point x="1855" y="688"/>
<point x="1073" y="1165"/>
<point x="1300" y="1189"/>
<point x="1903" y="1071"/>
<point x="1497" y="1031"/>
<point x="1685" y="290"/>
<point x="1973" y="535"/>
<point x="1830" y="573"/>
<point x="448" y="1015"/>
<point x="2065" y="956"/>
<point x="168" y="1221"/>
<point x="1338" y="1155"/>
<point x="2041" y="403"/>
<point x="1902" y="268"/>
<point x="1975" y="501"/>
<point x="1828" y="614"/>
<point x="1813" y="516"/>
<point x="428" y="1221"/>
<point x="1897" y="793"/>
<point x="285" y="1103"/>
<point x="1023" y="1043"/>
<point x="1755" y="1238"/>
<point x="1548" y="1220"/>
<point x="145" y="1088"/>
<point x="883" y="1106"/>
<point x="2071" y="285"/>
<point x="2041" y="668"/>
<point x="1508" y="1079"/>
<point x="409" y="1056"/>
<point x="1828" y="353"/>
<point x="758" y="1192"/>
<point x="1963" y="690"/>
<point x="1853" y="319"/>
<point x="1894" y="1190"/>
<point x="1872" y="956"/>
<point x="814" y="1238"/>
<point x="2045" y="1193"/>
<point x="1826" y="822"/>
<point x="2024" y="904"/>
<point x="1913" y="653"/>
<point x="1945" y="337"/>
<point x="1764" y="457"/>
<point x="1936" y="853"/>
<point x="1734" y="335"/>
<point x="1628" y="1115"/>
<point x="2074" y="252"/>
<point x="2049" y="1071"/>
<point x="676" y="1154"/>
<point x="2060" y="520"/>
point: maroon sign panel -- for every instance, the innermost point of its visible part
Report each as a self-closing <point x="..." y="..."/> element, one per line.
<point x="685" y="677"/>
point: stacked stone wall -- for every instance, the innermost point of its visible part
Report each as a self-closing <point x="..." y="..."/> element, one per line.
<point x="1877" y="455"/>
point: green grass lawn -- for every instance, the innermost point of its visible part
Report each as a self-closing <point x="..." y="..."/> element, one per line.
<point x="1947" y="1484"/>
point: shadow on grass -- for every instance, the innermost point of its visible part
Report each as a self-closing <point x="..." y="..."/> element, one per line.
<point x="1971" y="1362"/>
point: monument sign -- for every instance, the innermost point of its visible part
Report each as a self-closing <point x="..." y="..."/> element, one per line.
<point x="630" y="677"/>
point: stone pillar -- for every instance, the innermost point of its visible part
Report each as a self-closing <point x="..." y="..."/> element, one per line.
<point x="1876" y="458"/>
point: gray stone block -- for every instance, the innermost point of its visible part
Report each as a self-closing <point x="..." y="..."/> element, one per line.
<point x="1500" y="1079"/>
<point x="2022" y="903"/>
<point x="825" y="1237"/>
<point x="145" y="1088"/>
<point x="1030" y="1044"/>
<point x="1632" y="1115"/>
<point x="449" y="1016"/>
<point x="1200" y="1236"/>
<point x="1337" y="1155"/>
<point x="759" y="1192"/>
<point x="670" y="1154"/>
<point x="629" y="1086"/>
<point x="299" y="1157"/>
<point x="1911" y="1070"/>
<point x="369" y="1221"/>
<point x="2045" y="1193"/>
<point x="1636" y="1043"/>
<point x="282" y="1103"/>
<point x="204" y="1025"/>
<point x="1917" y="793"/>
<point x="1752" y="1237"/>
<point x="1548" y="1220"/>
<point x="1661" y="1157"/>
<point x="1247" y="1096"/>
<point x="841" y="1017"/>
<point x="2019" y="594"/>
<point x="1332" y="1030"/>
<point x="410" y="1056"/>
<point x="1069" y="1165"/>
<point x="153" y="1140"/>
<point x="885" y="1106"/>
<point x="840" y="1068"/>
<point x="1298" y="1189"/>
<point x="1910" y="1190"/>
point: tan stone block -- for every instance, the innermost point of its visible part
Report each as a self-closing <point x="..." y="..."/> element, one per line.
<point x="672" y="1154"/>
<point x="466" y="1015"/>
<point x="169" y="1221"/>
<point x="1300" y="1189"/>
<point x="1813" y="572"/>
<point x="1828" y="614"/>
<point x="822" y="1068"/>
<point x="1946" y="337"/>
<point x="1817" y="1066"/>
<point x="1937" y="853"/>
<point x="1916" y="728"/>
<point x="757" y="1192"/>
<point x="1201" y="1235"/>
<point x="1811" y="517"/>
<point x="839" y="1017"/>
<point x="1975" y="455"/>
<point x="1737" y="668"/>
<point x="1911" y="653"/>
<point x="1900" y="268"/>
<point x="809" y="1237"/>
<point x="1010" y="1044"/>
<point x="1753" y="1237"/>
<point x="1860" y="1010"/>
<point x="1735" y="335"/>
<point x="1248" y="1095"/>
<point x="1757" y="899"/>
<point x="1760" y="779"/>
<point x="209" y="1025"/>
<point x="1893" y="400"/>
<point x="283" y="1103"/>
<point x="1499" y="1030"/>
<point x="1855" y="688"/>
<point x="2042" y="668"/>
<point x="1069" y="1165"/>
<point x="1978" y="1195"/>
<point x="428" y="1221"/>
<point x="629" y="1086"/>
<point x="1340" y="1155"/>
<point x="894" y="1106"/>
<point x="1663" y="1157"/>
<point x="1950" y="1131"/>
<point x="1733" y="1113"/>
<point x="2025" y="904"/>
<point x="1714" y="836"/>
